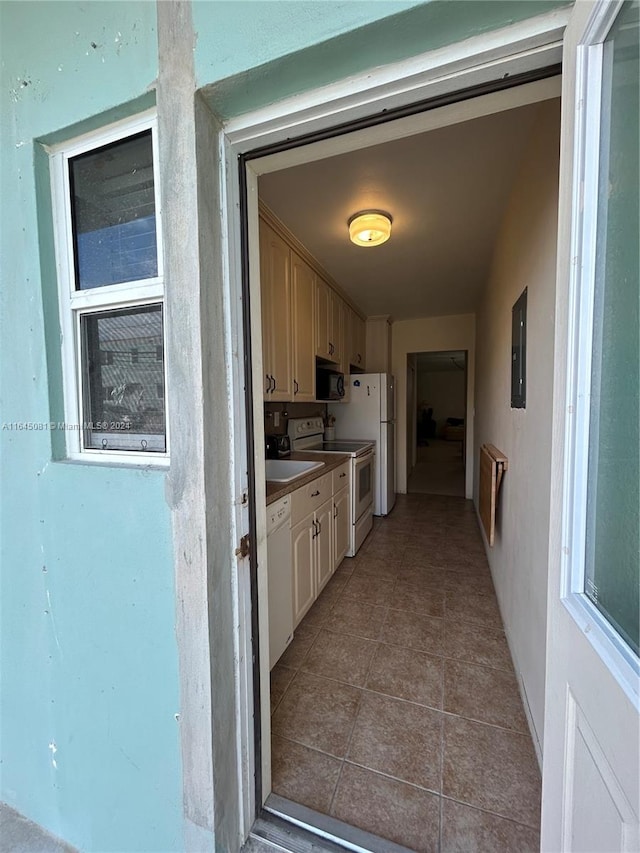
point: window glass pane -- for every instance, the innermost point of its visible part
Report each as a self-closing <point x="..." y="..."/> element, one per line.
<point x="114" y="213"/>
<point x="613" y="507"/>
<point x="124" y="395"/>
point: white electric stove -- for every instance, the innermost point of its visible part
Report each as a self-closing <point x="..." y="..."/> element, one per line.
<point x="306" y="434"/>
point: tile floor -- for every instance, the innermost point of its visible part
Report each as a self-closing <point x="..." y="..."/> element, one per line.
<point x="396" y="707"/>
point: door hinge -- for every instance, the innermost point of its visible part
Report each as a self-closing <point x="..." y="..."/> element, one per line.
<point x="243" y="550"/>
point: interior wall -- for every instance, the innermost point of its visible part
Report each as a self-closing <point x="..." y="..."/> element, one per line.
<point x="525" y="256"/>
<point x="444" y="392"/>
<point x="430" y="334"/>
<point x="90" y="697"/>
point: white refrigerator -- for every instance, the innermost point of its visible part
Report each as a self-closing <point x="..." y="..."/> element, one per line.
<point x="370" y="414"/>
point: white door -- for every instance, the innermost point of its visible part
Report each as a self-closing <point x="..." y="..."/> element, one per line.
<point x="590" y="799"/>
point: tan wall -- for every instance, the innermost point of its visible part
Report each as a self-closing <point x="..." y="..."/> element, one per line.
<point x="429" y="334"/>
<point x="524" y="256"/>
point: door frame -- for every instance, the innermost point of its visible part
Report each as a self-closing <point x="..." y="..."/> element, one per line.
<point x="478" y="76"/>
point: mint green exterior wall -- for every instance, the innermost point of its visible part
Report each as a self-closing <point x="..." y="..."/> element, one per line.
<point x="89" y="654"/>
<point x="260" y="52"/>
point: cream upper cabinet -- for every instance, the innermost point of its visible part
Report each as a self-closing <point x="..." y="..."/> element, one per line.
<point x="323" y="319"/>
<point x="358" y="340"/>
<point x="303" y="293"/>
<point x="335" y="340"/>
<point x="275" y="285"/>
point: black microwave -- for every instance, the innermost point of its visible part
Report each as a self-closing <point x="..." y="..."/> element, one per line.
<point x="329" y="385"/>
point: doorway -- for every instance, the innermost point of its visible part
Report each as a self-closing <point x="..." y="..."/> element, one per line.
<point x="286" y="681"/>
<point x="440" y="424"/>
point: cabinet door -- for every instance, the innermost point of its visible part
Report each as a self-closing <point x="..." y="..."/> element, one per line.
<point x="341" y="526"/>
<point x="323" y="318"/>
<point x="324" y="543"/>
<point x="335" y="339"/>
<point x="275" y="277"/>
<point x="303" y="315"/>
<point x="303" y="546"/>
<point x="357" y="340"/>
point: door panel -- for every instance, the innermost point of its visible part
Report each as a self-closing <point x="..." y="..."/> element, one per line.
<point x="303" y="568"/>
<point x="324" y="544"/>
<point x="591" y="787"/>
<point x="341" y="526"/>
<point x="303" y="303"/>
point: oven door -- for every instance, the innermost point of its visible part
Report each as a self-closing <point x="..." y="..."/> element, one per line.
<point x="363" y="484"/>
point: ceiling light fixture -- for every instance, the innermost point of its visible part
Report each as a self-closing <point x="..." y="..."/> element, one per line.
<point x="370" y="228"/>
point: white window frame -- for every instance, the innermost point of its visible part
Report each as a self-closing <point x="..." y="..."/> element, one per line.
<point x="74" y="304"/>
<point x="620" y="659"/>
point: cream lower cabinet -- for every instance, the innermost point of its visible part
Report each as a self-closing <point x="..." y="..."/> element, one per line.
<point x="320" y="518"/>
<point x="311" y="558"/>
<point x="341" y="524"/>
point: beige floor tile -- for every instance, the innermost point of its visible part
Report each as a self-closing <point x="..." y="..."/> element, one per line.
<point x="369" y="589"/>
<point x="346" y="567"/>
<point x="483" y="694"/>
<point x="409" y="629"/>
<point x="407" y="674"/>
<point x="321" y="608"/>
<point x="340" y="656"/>
<point x="424" y="600"/>
<point x="472" y="607"/>
<point x="398" y="739"/>
<point x="477" y="583"/>
<point x="303" y="775"/>
<point x="491" y="769"/>
<point x="296" y="651"/>
<point x="378" y="568"/>
<point x="317" y="712"/>
<point x="281" y="677"/>
<point x="467" y="830"/>
<point x="351" y="616"/>
<point x="390" y="809"/>
<point x="476" y="644"/>
<point x="428" y="577"/>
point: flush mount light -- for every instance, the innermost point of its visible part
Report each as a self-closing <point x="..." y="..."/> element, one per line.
<point x="370" y="228"/>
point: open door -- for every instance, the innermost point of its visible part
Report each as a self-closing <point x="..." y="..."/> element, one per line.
<point x="591" y="739"/>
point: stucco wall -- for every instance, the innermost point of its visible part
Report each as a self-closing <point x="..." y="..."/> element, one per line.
<point x="430" y="334"/>
<point x="90" y="742"/>
<point x="525" y="256"/>
<point x="253" y="53"/>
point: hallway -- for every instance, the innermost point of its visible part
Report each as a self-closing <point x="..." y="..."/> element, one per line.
<point x="439" y="469"/>
<point x="396" y="708"/>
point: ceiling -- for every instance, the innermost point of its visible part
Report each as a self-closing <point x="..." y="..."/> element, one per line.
<point x="446" y="191"/>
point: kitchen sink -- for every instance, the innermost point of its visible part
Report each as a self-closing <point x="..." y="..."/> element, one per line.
<point x="285" y="470"/>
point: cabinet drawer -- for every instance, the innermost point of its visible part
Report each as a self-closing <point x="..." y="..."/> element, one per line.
<point x="341" y="477"/>
<point x="308" y="498"/>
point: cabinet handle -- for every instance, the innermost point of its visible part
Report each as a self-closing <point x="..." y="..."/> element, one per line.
<point x="295" y="386"/>
<point x="359" y="358"/>
<point x="342" y="475"/>
<point x="330" y="348"/>
<point x="315" y="529"/>
<point x="314" y="494"/>
<point x="335" y="511"/>
<point x="319" y="527"/>
<point x="273" y="379"/>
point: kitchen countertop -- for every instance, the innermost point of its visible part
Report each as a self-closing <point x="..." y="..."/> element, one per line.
<point x="275" y="491"/>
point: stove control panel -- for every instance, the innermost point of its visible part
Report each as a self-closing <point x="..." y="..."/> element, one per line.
<point x="303" y="427"/>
